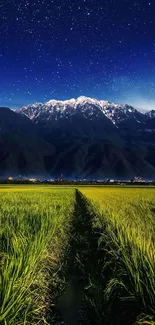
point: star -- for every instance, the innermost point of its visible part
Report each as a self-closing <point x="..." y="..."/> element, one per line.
<point x="76" y="48"/>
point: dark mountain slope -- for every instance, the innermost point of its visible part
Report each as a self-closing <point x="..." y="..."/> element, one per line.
<point x="22" y="150"/>
<point x="95" y="139"/>
<point x="97" y="159"/>
<point x="83" y="138"/>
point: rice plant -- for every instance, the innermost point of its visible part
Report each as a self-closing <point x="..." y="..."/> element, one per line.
<point x="30" y="221"/>
<point x="126" y="219"/>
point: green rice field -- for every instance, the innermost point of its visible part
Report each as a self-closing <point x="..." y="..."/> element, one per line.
<point x="77" y="255"/>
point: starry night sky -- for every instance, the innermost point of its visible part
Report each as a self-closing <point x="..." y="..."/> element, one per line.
<point x="63" y="49"/>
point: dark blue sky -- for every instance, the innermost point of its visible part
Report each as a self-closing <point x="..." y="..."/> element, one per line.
<point x="62" y="49"/>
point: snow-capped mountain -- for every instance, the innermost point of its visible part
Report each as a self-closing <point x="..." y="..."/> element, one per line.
<point x="59" y="109"/>
<point x="151" y="113"/>
<point x="81" y="137"/>
<point x="75" y="117"/>
<point x="125" y="118"/>
<point x="88" y="106"/>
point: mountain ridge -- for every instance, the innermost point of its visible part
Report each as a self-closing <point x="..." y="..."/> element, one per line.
<point x="82" y="100"/>
<point x="79" y="138"/>
<point x="117" y="113"/>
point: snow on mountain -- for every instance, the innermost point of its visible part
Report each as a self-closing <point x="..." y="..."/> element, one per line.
<point x="31" y="111"/>
<point x="151" y="113"/>
<point x="117" y="112"/>
<point x="56" y="109"/>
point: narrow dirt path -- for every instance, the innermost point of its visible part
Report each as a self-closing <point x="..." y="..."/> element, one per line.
<point x="87" y="269"/>
<point x="73" y="307"/>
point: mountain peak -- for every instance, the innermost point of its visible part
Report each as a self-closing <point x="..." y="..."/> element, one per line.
<point x="72" y="102"/>
<point x="151" y="113"/>
<point x="89" y="137"/>
<point x="82" y="99"/>
<point x="54" y="102"/>
<point x="56" y="109"/>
